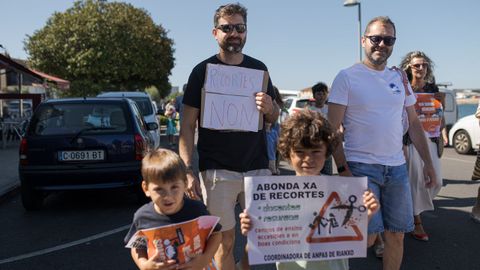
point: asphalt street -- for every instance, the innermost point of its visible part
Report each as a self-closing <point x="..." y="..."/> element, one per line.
<point x="85" y="230"/>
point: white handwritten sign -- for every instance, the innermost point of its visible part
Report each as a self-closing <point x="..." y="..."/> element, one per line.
<point x="232" y="80"/>
<point x="230" y="112"/>
<point x="306" y="218"/>
<point x="228" y="98"/>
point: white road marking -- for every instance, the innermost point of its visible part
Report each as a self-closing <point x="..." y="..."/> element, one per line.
<point x="64" y="246"/>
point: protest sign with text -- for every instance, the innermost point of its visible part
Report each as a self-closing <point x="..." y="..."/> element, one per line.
<point x="306" y="218"/>
<point x="430" y="113"/>
<point x="180" y="241"/>
<point x="228" y="98"/>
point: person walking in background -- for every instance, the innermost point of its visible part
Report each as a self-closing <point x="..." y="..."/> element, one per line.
<point x="171" y="114"/>
<point x="320" y="94"/>
<point x="179" y="107"/>
<point x="225" y="156"/>
<point x="273" y="130"/>
<point x="369" y="99"/>
<point x="419" y="69"/>
<point x="476" y="176"/>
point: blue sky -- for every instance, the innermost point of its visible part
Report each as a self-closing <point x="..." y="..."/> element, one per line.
<point x="301" y="42"/>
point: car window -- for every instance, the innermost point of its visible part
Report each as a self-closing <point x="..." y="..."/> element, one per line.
<point x="287" y="103"/>
<point x="144" y="104"/>
<point x="302" y="103"/>
<point x="449" y="101"/>
<point x="138" y="118"/>
<point x="56" y="119"/>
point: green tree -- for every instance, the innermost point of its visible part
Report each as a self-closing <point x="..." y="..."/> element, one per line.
<point x="98" y="46"/>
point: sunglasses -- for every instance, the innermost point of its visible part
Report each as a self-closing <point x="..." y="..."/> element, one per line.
<point x="376" y="40"/>
<point x="418" y="66"/>
<point x="227" y="28"/>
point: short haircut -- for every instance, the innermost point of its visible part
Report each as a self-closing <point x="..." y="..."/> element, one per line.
<point x="306" y="129"/>
<point x="230" y="10"/>
<point x="383" y="20"/>
<point x="319" y="87"/>
<point x="163" y="165"/>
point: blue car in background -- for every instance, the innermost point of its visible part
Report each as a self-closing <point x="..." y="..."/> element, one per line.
<point x="82" y="143"/>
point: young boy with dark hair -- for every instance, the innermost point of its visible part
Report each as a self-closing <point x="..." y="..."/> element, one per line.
<point x="164" y="182"/>
<point x="307" y="140"/>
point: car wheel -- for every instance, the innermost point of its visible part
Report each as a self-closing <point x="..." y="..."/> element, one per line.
<point x="462" y="142"/>
<point x="31" y="199"/>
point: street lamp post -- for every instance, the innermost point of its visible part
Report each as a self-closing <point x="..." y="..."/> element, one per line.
<point x="351" y="3"/>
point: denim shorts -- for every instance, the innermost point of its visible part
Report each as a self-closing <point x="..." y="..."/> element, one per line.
<point x="391" y="187"/>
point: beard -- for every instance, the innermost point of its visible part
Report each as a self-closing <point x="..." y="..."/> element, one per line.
<point x="233" y="44"/>
<point x="379" y="60"/>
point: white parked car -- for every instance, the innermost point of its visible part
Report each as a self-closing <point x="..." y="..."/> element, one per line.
<point x="464" y="135"/>
<point x="146" y="107"/>
<point x="296" y="104"/>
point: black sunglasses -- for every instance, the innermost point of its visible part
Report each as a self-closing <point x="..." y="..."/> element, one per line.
<point x="388" y="41"/>
<point x="227" y="28"/>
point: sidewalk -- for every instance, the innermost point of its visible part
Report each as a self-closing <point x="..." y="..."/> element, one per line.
<point x="9" y="174"/>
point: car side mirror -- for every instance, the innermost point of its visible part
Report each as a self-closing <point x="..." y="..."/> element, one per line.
<point x="152" y="126"/>
<point x="160" y="112"/>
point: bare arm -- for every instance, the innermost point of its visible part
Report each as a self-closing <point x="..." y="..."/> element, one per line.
<point x="444" y="132"/>
<point x="186" y="148"/>
<point x="336" y="113"/>
<point x="202" y="260"/>
<point x="417" y="135"/>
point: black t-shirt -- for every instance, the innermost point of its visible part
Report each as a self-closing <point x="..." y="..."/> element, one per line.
<point x="230" y="150"/>
<point x="146" y="217"/>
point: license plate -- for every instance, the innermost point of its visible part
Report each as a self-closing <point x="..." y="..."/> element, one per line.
<point x="81" y="155"/>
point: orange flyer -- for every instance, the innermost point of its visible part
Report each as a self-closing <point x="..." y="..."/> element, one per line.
<point x="430" y="113"/>
<point x="180" y="241"/>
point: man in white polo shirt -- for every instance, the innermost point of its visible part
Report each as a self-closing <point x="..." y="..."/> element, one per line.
<point x="369" y="99"/>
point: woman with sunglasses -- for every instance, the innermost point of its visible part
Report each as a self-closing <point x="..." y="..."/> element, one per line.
<point x="419" y="69"/>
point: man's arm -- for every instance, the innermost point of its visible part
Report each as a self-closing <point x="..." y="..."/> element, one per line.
<point x="186" y="148"/>
<point x="336" y="113"/>
<point x="417" y="135"/>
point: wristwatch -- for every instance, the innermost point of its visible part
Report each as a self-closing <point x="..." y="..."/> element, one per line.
<point x="341" y="169"/>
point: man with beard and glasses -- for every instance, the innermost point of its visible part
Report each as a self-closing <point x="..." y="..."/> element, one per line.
<point x="369" y="99"/>
<point x="225" y="157"/>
